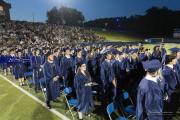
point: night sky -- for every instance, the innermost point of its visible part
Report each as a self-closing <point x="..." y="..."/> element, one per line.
<point x="92" y="9"/>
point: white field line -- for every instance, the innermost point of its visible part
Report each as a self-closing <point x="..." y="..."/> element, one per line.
<point x="52" y="110"/>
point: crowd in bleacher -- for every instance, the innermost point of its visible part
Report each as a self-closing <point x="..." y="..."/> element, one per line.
<point x="141" y="81"/>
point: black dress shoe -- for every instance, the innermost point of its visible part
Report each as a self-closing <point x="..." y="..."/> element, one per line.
<point x="48" y="105"/>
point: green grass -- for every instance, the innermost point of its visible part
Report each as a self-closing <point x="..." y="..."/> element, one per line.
<point x="167" y="46"/>
<point x="117" y="36"/>
<point x="35" y="111"/>
<point x="14" y="105"/>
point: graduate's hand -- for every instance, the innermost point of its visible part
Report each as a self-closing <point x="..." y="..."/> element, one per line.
<point x="88" y="84"/>
<point x="55" y="79"/>
<point x="114" y="83"/>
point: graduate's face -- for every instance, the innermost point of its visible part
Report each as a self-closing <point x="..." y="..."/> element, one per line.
<point x="51" y="57"/>
<point x="83" y="67"/>
<point x="178" y="55"/>
<point x="68" y="52"/>
<point x="174" y="61"/>
<point x="109" y="56"/>
<point x="79" y="53"/>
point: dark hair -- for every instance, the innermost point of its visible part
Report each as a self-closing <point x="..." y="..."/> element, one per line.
<point x="86" y="72"/>
<point x="169" y="58"/>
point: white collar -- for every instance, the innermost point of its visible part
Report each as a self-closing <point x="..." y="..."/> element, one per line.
<point x="169" y="65"/>
<point x="150" y="78"/>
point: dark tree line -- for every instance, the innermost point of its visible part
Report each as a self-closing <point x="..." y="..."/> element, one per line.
<point x="156" y="22"/>
<point x="65" y="16"/>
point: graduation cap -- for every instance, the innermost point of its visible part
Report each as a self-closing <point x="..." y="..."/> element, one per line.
<point x="80" y="63"/>
<point x="48" y="53"/>
<point x="18" y="50"/>
<point x="132" y="51"/>
<point x="67" y="48"/>
<point x="175" y="49"/>
<point x="152" y="65"/>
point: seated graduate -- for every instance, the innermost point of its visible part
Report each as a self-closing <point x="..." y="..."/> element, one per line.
<point x="150" y="96"/>
<point x="51" y="76"/>
<point x="82" y="85"/>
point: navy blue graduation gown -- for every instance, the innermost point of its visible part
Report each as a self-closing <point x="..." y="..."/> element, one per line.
<point x="83" y="93"/>
<point x="92" y="66"/>
<point x="170" y="79"/>
<point x="67" y="70"/>
<point x="177" y="71"/>
<point x="107" y="76"/>
<point x="149" y="101"/>
<point x="19" y="68"/>
<point x="36" y="62"/>
<point x="50" y="72"/>
<point x="143" y="57"/>
<point x="120" y="75"/>
<point x="4" y="59"/>
<point x="57" y="61"/>
<point x="78" y="60"/>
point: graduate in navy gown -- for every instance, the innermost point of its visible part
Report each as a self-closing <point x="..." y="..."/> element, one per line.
<point x="171" y="82"/>
<point x="177" y="65"/>
<point x="108" y="79"/>
<point x="150" y="98"/>
<point x="82" y="85"/>
<point x="169" y="74"/>
<point x="57" y="84"/>
<point x="36" y="64"/>
<point x="120" y="74"/>
<point x="19" y="68"/>
<point x="51" y="76"/>
<point x="67" y="68"/>
<point x="156" y="54"/>
<point x="92" y="65"/>
<point x="78" y="58"/>
<point x="4" y="59"/>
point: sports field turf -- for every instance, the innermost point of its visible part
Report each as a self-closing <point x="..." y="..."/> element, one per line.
<point x="15" y="105"/>
<point x="117" y="36"/>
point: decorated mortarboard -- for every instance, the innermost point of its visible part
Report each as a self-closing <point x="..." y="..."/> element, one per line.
<point x="175" y="49"/>
<point x="152" y="65"/>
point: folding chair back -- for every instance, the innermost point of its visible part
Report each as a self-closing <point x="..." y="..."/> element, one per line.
<point x="113" y="107"/>
<point x="71" y="103"/>
<point x="129" y="108"/>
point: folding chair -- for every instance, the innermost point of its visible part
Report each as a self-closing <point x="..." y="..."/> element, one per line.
<point x="112" y="108"/>
<point x="72" y="103"/>
<point x="129" y="107"/>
